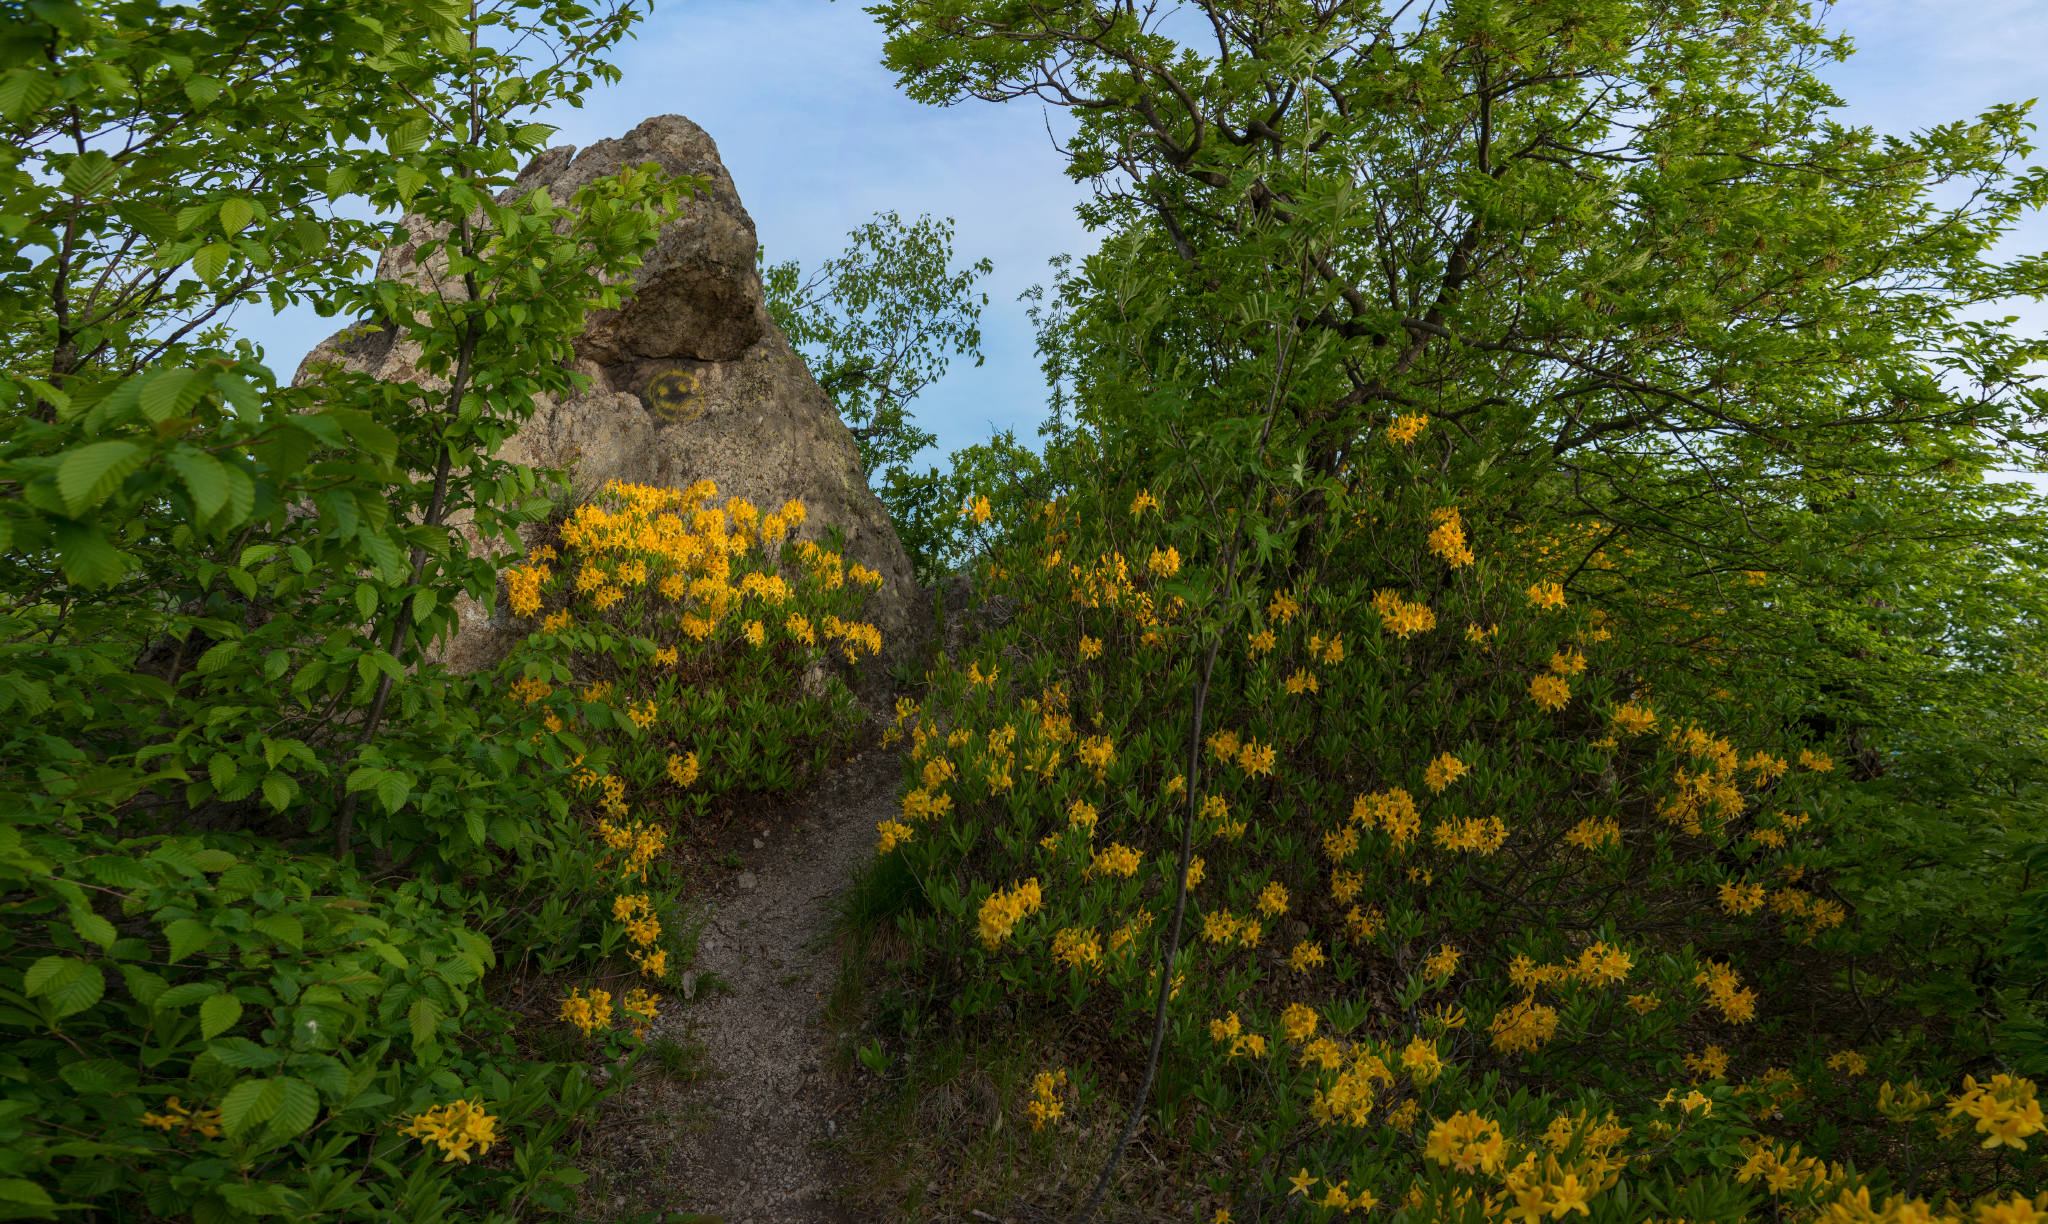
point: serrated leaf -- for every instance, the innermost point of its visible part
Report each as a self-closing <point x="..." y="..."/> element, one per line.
<point x="99" y="1075"/>
<point x="213" y="858"/>
<point x="283" y="928"/>
<point x="202" y="90"/>
<point x="117" y="871"/>
<point x="211" y="260"/>
<point x="148" y="988"/>
<point x="218" y="1014"/>
<point x="409" y="136"/>
<point x="244" y="1055"/>
<point x="23" y="91"/>
<point x="392" y="789"/>
<point x="220" y="769"/>
<point x="153" y="220"/>
<point x="190" y="992"/>
<point x="33" y="1198"/>
<point x="298" y="1110"/>
<point x="88" y="558"/>
<point x="278" y="791"/>
<point x="85" y="476"/>
<point x="48" y="973"/>
<point x="238" y="393"/>
<point x="236" y="214"/>
<point x="218" y="656"/>
<point x="366" y="600"/>
<point x="78" y="992"/>
<point x="170" y="393"/>
<point x="93" y="929"/>
<point x="241" y="494"/>
<point x="90" y="173"/>
<point x="249" y="1103"/>
<point x="390" y="561"/>
<point x="424" y="601"/>
<point x="424" y="1018"/>
<point x="187" y="936"/>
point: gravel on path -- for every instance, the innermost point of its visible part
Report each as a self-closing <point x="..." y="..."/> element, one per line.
<point x="769" y="1104"/>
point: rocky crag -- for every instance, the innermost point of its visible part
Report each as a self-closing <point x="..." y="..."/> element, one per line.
<point x="690" y="379"/>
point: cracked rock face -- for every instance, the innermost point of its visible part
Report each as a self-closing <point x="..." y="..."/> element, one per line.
<point x="690" y="379"/>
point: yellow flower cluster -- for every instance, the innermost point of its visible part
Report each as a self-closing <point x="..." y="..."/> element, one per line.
<point x="1401" y="618"/>
<point x="1632" y="719"/>
<point x="1468" y="1142"/>
<point x="588" y="1012"/>
<point x="1242" y="1044"/>
<point x="1447" y="540"/>
<point x="1726" y="993"/>
<point x="2004" y="1107"/>
<point x="1523" y="1027"/>
<point x="1547" y="595"/>
<point x="1443" y="771"/>
<point x="1045" y="1105"/>
<point x="176" y="1117"/>
<point x="1079" y="947"/>
<point x="682" y="770"/>
<point x="1593" y="832"/>
<point x="643" y="843"/>
<point x="530" y="689"/>
<point x="1005" y="908"/>
<point x="1783" y="1169"/>
<point x="1441" y="964"/>
<point x="1222" y="927"/>
<point x="1392" y="810"/>
<point x="1710" y="1063"/>
<point x="455" y="1129"/>
<point x="641" y="1006"/>
<point x="1405" y="429"/>
<point x="1119" y="860"/>
<point x="522" y="587"/>
<point x="636" y="914"/>
<point x="1550" y="692"/>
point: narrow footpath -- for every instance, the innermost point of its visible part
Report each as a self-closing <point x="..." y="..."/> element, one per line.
<point x="745" y="1135"/>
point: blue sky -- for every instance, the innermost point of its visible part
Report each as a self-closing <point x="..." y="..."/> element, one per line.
<point x="818" y="139"/>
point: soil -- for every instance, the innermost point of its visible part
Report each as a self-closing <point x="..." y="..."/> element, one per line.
<point x="748" y="1129"/>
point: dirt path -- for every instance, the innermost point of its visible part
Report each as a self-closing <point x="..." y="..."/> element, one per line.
<point x="744" y="1140"/>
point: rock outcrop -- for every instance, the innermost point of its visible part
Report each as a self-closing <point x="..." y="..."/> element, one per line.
<point x="690" y="379"/>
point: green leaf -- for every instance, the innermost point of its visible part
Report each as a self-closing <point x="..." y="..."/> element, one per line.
<point x="385" y="553"/>
<point x="99" y="1075"/>
<point x="298" y="1108"/>
<point x="186" y="937"/>
<point x="249" y="1103"/>
<point x="424" y="1019"/>
<point x="93" y="929"/>
<point x="213" y="858"/>
<point x="278" y="791"/>
<point x="218" y="1014"/>
<point x="366" y="600"/>
<point x="240" y="394"/>
<point x="29" y="1195"/>
<point x="153" y="220"/>
<point x="171" y="393"/>
<point x="283" y="928"/>
<point x="190" y="992"/>
<point x="87" y="475"/>
<point x="24" y="90"/>
<point x="48" y="973"/>
<point x="236" y="214"/>
<point x="211" y="261"/>
<point x="202" y="90"/>
<point x="77" y="992"/>
<point x="424" y="601"/>
<point x="147" y="987"/>
<point x="392" y="789"/>
<point x="88" y="558"/>
<point x="217" y="657"/>
<point x="90" y="173"/>
<point x="408" y="137"/>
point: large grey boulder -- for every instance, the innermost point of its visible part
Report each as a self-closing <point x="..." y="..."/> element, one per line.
<point x="690" y="379"/>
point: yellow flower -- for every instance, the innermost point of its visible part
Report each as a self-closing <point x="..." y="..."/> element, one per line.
<point x="1118" y="860"/>
<point x="1550" y="692"/>
<point x="1273" y="899"/>
<point x="1301" y="1182"/>
<point x="1164" y="562"/>
<point x="893" y="834"/>
<point x="1301" y="681"/>
<point x="1421" y="1061"/>
<point x="1568" y="664"/>
<point x="1003" y="909"/>
<point x="1643" y="1004"/>
<point x="1144" y="501"/>
<point x="1261" y="642"/>
<point x="1548" y="595"/>
<point x="682" y="770"/>
<point x="1196" y="870"/>
<point x="1711" y="1062"/>
<point x="1256" y="759"/>
<point x="1443" y="771"/>
<point x="1633" y="719"/>
<point x="1468" y="1142"/>
<point x="1306" y="955"/>
<point x="588" y="1013"/>
<point x="1045" y="1105"/>
<point x="455" y="1129"/>
<point x="1442" y="963"/>
<point x="1405" y="429"/>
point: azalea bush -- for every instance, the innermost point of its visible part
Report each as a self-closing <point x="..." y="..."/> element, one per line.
<point x="1507" y="891"/>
